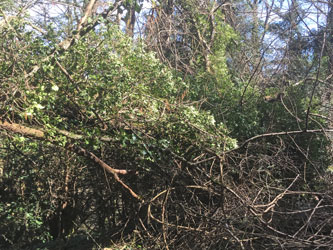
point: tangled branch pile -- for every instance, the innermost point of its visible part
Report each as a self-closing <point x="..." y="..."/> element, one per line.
<point x="165" y="142"/>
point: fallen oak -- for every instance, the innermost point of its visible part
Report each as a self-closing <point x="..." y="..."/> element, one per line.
<point x="40" y="134"/>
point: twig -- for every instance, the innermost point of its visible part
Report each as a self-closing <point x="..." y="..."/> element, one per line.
<point x="308" y="220"/>
<point x="286" y="108"/>
<point x="281" y="133"/>
<point x="273" y="203"/>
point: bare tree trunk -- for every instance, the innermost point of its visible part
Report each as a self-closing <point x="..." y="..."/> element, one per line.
<point x="328" y="98"/>
<point x="130" y="20"/>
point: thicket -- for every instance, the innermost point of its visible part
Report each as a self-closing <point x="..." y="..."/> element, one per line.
<point x="162" y="135"/>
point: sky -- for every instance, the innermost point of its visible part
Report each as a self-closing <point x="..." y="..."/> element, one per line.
<point x="311" y="21"/>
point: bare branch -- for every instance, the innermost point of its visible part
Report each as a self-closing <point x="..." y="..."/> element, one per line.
<point x="41" y="135"/>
